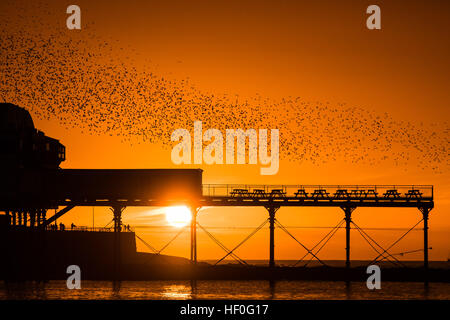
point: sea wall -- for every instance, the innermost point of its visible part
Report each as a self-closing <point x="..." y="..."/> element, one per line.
<point x="33" y="254"/>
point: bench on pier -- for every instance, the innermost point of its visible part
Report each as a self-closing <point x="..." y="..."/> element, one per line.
<point x="301" y="193"/>
<point x="320" y="194"/>
<point x="371" y="193"/>
<point x="392" y="193"/>
<point x="341" y="193"/>
<point x="277" y="193"/>
<point x="239" y="193"/>
<point x="259" y="193"/>
<point x="413" y="194"/>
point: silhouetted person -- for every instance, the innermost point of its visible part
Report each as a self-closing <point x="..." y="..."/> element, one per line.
<point x="61" y="227"/>
<point x="72" y="226"/>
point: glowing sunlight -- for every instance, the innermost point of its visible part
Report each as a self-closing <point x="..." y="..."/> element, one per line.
<point x="178" y="216"/>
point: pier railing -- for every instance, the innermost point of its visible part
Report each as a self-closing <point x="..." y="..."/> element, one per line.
<point x="413" y="192"/>
<point x="87" y="229"/>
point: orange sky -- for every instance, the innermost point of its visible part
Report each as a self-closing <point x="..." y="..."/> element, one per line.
<point x="320" y="51"/>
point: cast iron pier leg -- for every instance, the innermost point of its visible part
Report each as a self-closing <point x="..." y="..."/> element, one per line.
<point x="348" y="219"/>
<point x="194" y="212"/>
<point x="272" y="211"/>
<point x="117" y="211"/>
<point x="425" y="239"/>
<point x="425" y="212"/>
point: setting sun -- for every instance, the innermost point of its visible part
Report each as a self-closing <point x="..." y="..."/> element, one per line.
<point x="178" y="216"/>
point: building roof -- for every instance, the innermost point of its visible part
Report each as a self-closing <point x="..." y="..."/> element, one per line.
<point x="14" y="118"/>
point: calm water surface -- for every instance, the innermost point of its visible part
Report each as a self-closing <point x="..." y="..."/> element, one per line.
<point x="156" y="290"/>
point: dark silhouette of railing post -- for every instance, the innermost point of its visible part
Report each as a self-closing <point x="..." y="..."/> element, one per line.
<point x="41" y="214"/>
<point x="348" y="220"/>
<point x="32" y="217"/>
<point x="117" y="212"/>
<point x="43" y="217"/>
<point x="272" y="210"/>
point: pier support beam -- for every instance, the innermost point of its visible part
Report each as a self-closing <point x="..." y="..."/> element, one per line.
<point x="117" y="212"/>
<point x="425" y="241"/>
<point x="348" y="219"/>
<point x="57" y="215"/>
<point x="425" y="213"/>
<point x="194" y="212"/>
<point x="272" y="210"/>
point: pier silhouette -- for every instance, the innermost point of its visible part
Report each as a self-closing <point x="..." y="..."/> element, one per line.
<point x="34" y="183"/>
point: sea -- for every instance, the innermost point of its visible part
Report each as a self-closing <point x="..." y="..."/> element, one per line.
<point x="220" y="289"/>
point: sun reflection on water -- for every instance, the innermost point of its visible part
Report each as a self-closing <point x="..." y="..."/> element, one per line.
<point x="177" y="292"/>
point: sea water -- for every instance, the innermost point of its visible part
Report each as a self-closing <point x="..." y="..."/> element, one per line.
<point x="220" y="289"/>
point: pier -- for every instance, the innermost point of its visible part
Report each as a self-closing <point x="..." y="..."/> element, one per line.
<point x="273" y="198"/>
